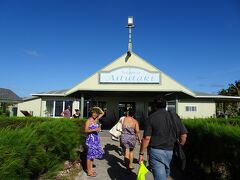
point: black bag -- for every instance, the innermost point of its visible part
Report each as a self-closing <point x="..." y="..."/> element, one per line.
<point x="179" y="157"/>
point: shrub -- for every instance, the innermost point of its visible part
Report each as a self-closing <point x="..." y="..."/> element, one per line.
<point x="13" y="152"/>
<point x="212" y="145"/>
<point x="30" y="150"/>
<point x="20" y="122"/>
<point x="58" y="138"/>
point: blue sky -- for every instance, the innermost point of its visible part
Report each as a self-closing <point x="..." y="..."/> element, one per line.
<point x="54" y="44"/>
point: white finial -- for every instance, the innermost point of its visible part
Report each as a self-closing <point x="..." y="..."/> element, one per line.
<point x="130" y="26"/>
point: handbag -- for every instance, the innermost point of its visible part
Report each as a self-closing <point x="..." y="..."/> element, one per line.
<point x="179" y="157"/>
<point x="116" y="130"/>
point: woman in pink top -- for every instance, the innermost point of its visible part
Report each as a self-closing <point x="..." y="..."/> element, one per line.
<point x="66" y="113"/>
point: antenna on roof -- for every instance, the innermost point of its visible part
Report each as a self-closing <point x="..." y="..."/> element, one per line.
<point x="130" y="26"/>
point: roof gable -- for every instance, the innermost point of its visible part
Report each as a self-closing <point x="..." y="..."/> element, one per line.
<point x="92" y="83"/>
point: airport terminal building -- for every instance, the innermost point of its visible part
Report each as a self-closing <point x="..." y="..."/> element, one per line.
<point x="129" y="81"/>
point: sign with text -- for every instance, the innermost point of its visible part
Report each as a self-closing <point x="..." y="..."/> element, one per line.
<point x="129" y="75"/>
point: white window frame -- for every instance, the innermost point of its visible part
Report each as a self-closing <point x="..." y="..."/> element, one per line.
<point x="191" y="108"/>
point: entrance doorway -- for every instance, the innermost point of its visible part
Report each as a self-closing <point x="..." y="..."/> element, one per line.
<point x="123" y="106"/>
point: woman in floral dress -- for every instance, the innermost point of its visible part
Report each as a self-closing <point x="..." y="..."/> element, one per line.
<point x="94" y="149"/>
<point x="130" y="134"/>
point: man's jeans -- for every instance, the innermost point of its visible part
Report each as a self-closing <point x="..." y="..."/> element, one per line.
<point x="160" y="163"/>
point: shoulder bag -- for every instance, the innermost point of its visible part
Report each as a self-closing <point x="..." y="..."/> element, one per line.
<point x="116" y="130"/>
<point x="179" y="157"/>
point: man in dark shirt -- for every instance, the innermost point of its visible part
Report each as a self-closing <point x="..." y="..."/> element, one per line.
<point x="159" y="138"/>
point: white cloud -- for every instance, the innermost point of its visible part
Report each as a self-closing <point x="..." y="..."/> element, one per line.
<point x="29" y="52"/>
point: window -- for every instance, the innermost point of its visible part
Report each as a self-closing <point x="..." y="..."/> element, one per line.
<point x="58" y="108"/>
<point x="49" y="109"/>
<point x="171" y="106"/>
<point x="68" y="103"/>
<point x="191" y="108"/>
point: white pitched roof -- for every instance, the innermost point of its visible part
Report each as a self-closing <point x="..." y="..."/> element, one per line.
<point x="167" y="84"/>
<point x="215" y="96"/>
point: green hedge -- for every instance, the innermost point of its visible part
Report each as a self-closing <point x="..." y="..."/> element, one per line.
<point x="234" y="121"/>
<point x="34" y="147"/>
<point x="19" y="122"/>
<point x="214" y="147"/>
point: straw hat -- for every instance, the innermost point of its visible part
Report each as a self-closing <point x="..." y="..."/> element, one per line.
<point x="97" y="110"/>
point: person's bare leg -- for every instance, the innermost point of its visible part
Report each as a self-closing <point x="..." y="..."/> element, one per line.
<point x="89" y="166"/>
<point x="126" y="158"/>
<point x="131" y="155"/>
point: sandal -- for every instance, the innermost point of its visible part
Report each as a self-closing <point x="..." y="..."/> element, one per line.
<point x="92" y="174"/>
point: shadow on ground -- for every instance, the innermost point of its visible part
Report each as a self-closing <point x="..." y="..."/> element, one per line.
<point x="116" y="171"/>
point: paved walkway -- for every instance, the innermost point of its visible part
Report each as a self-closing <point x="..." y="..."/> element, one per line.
<point x="111" y="167"/>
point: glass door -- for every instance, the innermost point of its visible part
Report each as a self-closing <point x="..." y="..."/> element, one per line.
<point x="124" y="106"/>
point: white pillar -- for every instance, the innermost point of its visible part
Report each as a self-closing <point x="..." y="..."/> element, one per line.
<point x="82" y="105"/>
<point x="54" y="105"/>
<point x="176" y="105"/>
